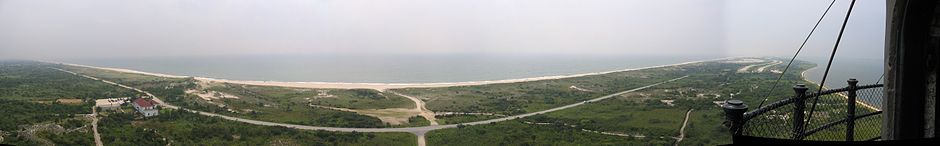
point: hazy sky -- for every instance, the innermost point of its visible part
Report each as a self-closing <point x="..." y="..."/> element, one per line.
<point x="57" y="29"/>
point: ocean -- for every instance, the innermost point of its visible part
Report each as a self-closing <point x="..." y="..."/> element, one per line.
<point x="385" y="68"/>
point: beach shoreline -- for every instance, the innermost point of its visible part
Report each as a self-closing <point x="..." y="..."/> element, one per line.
<point x="861" y="102"/>
<point x="380" y="86"/>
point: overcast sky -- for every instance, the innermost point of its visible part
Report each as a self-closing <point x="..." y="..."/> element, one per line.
<point x="57" y="29"/>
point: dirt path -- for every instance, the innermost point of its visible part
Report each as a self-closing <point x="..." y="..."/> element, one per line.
<point x="94" y="126"/>
<point x="682" y="130"/>
<point x="420" y="107"/>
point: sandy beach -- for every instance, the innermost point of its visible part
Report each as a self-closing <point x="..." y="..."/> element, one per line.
<point x="380" y="86"/>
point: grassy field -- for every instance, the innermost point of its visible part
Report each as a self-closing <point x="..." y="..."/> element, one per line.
<point x="457" y="119"/>
<point x="184" y="128"/>
<point x="416" y="121"/>
<point x="34" y="81"/>
<point x="621" y="117"/>
<point x="342" y="98"/>
<point x="518" y="133"/>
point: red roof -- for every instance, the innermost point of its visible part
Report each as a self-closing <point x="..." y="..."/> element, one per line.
<point x="142" y="102"/>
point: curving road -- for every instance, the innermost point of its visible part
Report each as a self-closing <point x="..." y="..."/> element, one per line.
<point x="419" y="131"/>
<point x="420" y="107"/>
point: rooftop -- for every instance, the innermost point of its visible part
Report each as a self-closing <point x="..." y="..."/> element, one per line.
<point x="143" y="102"/>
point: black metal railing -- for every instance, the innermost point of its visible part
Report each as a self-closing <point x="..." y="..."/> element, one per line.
<point x="839" y="115"/>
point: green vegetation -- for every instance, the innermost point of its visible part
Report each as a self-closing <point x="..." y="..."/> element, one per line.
<point x="524" y="97"/>
<point x="165" y="88"/>
<point x="620" y="117"/>
<point x="704" y="129"/>
<point x="183" y="128"/>
<point x="21" y="115"/>
<point x="457" y="119"/>
<point x="28" y="99"/>
<point x="416" y="121"/>
<point x="34" y="81"/>
<point x="519" y="133"/>
<point x="351" y="98"/>
<point x="647" y="113"/>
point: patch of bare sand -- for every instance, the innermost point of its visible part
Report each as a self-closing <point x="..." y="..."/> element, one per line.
<point x="69" y="101"/>
<point x="393" y="116"/>
<point x="210" y="95"/>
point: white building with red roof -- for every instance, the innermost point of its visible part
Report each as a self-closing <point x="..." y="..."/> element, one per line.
<point x="146" y="107"/>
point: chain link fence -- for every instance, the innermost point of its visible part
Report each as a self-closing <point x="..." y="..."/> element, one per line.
<point x="827" y="121"/>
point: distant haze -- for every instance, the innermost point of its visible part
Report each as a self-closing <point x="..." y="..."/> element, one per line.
<point x="76" y="29"/>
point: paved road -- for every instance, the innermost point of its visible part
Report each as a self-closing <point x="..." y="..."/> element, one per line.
<point x="419" y="131"/>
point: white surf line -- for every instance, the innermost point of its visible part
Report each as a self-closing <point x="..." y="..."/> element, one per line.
<point x="682" y="130"/>
<point x="383" y="86"/>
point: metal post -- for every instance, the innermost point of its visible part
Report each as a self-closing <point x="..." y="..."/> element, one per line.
<point x="734" y="114"/>
<point x="798" y="110"/>
<point x="850" y="119"/>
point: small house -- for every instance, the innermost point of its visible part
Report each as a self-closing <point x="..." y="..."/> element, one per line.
<point x="146" y="107"/>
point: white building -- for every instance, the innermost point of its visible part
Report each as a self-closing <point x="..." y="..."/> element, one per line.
<point x="146" y="107"/>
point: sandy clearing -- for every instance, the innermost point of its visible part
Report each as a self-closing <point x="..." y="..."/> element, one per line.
<point x="745" y="68"/>
<point x="211" y="95"/>
<point x="744" y="61"/>
<point x="393" y="116"/>
<point x="420" y="107"/>
<point x="762" y="68"/>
